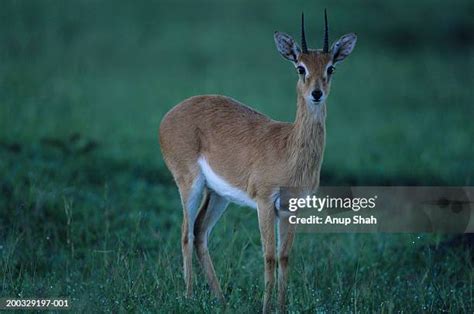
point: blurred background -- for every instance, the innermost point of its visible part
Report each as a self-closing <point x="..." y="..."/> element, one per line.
<point x="88" y="210"/>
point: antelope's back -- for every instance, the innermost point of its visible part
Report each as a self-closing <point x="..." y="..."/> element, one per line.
<point x="199" y="120"/>
<point x="232" y="137"/>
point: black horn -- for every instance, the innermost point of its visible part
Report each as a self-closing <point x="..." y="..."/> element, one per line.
<point x="326" y="33"/>
<point x="304" y="47"/>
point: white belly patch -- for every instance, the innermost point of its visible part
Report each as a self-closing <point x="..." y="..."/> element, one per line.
<point x="222" y="187"/>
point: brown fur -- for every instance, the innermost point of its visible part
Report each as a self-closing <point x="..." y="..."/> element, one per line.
<point x="264" y="153"/>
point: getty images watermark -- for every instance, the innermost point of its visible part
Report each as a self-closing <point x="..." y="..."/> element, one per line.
<point x="379" y="209"/>
<point x="321" y="203"/>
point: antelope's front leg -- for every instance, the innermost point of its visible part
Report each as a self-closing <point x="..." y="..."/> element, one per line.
<point x="286" y="232"/>
<point x="266" y="222"/>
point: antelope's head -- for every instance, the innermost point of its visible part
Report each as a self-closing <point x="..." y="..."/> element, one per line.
<point x="315" y="67"/>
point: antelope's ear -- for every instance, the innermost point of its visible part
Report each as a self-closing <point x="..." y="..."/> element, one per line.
<point x="286" y="46"/>
<point x="343" y="47"/>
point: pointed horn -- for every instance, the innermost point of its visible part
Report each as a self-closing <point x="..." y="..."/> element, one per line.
<point x="326" y="33"/>
<point x="303" y="37"/>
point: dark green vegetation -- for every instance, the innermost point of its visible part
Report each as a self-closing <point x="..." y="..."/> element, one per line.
<point x="87" y="209"/>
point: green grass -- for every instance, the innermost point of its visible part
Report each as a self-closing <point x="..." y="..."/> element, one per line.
<point x="88" y="211"/>
<point x="113" y="245"/>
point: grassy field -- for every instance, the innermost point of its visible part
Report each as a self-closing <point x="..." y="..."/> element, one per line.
<point x="88" y="210"/>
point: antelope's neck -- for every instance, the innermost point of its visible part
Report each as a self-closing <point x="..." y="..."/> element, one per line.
<point x="307" y="144"/>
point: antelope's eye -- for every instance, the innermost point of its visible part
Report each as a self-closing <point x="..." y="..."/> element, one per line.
<point x="300" y="70"/>
<point x="331" y="70"/>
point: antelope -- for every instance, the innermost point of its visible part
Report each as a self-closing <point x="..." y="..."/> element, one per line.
<point x="219" y="151"/>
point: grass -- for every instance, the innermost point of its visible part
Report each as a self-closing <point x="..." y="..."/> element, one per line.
<point x="114" y="247"/>
<point x="88" y="211"/>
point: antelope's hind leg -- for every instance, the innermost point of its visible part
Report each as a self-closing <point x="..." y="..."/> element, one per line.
<point x="191" y="188"/>
<point x="211" y="211"/>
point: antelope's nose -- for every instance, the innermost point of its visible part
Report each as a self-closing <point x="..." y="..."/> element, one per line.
<point x="317" y="94"/>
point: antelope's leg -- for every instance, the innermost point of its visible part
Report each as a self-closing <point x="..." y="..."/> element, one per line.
<point x="286" y="233"/>
<point x="207" y="218"/>
<point x="266" y="221"/>
<point x="191" y="189"/>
